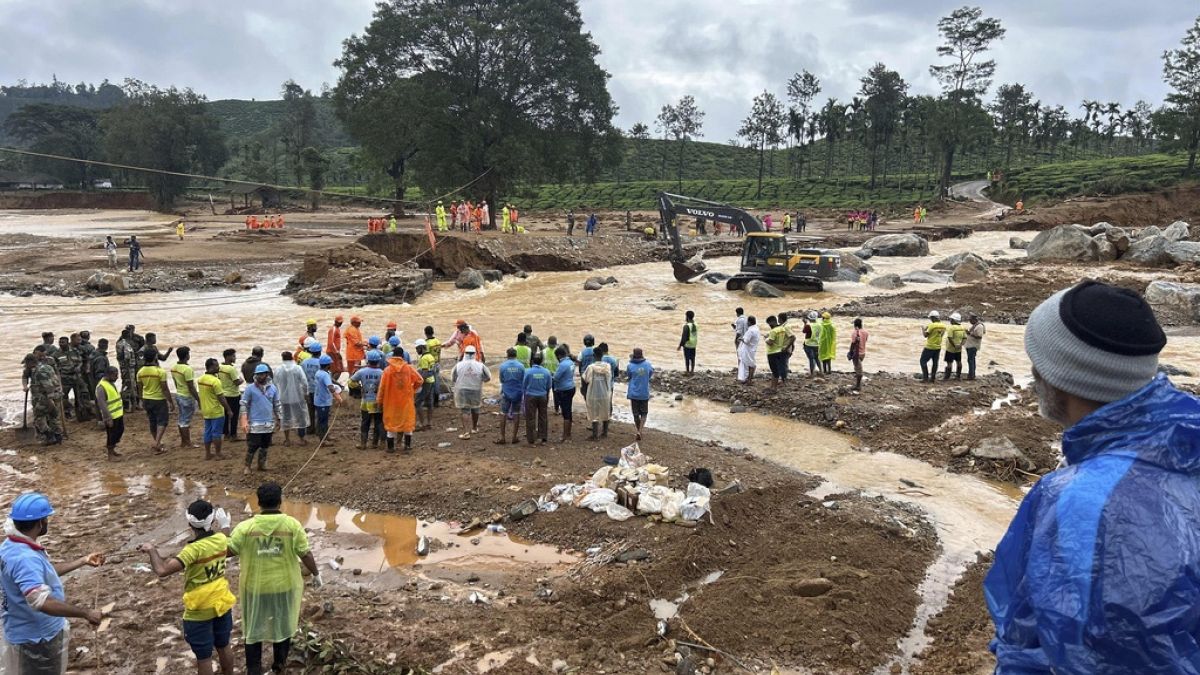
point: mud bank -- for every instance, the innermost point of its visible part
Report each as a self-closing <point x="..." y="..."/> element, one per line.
<point x="592" y="616"/>
<point x="123" y="199"/>
<point x="1133" y="210"/>
<point x="962" y="630"/>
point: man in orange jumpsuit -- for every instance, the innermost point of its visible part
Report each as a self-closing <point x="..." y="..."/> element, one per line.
<point x="397" y="389"/>
<point x="464" y="337"/>
<point x="333" y="347"/>
<point x="355" y="346"/>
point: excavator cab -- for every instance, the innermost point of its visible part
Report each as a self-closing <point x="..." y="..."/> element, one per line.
<point x="770" y="257"/>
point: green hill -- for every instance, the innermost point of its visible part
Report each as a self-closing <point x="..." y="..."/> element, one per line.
<point x="247" y="120"/>
<point x="1110" y="176"/>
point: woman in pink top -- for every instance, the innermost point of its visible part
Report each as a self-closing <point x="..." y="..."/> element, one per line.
<point x="858" y="352"/>
<point x="767" y="222"/>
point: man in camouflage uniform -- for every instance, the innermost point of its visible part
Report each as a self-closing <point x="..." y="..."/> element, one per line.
<point x="70" y="374"/>
<point x="46" y="393"/>
<point x="98" y="363"/>
<point x="50" y="347"/>
<point x="90" y="377"/>
<point x="129" y="361"/>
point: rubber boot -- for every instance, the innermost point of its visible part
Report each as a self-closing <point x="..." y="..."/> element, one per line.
<point x="408" y="444"/>
<point x="362" y="442"/>
<point x="391" y="444"/>
<point x="604" y="434"/>
<point x="566" y="432"/>
<point x="595" y="430"/>
<point x="858" y="382"/>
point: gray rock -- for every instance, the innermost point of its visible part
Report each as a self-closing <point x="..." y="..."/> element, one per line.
<point x="853" y="262"/>
<point x="811" y="588"/>
<point x="1098" y="228"/>
<point x="971" y="269"/>
<point x="195" y="274"/>
<point x="1170" y="294"/>
<point x="847" y="274"/>
<point x="1064" y="242"/>
<point x="999" y="447"/>
<point x="926" y="277"/>
<point x="633" y="554"/>
<point x="233" y="278"/>
<point x="863" y="254"/>
<point x="887" y="282"/>
<point x="1105" y="251"/>
<point x="1177" y="231"/>
<point x="105" y="282"/>
<point x="897" y="245"/>
<point x="1149" y="251"/>
<point x="715" y="277"/>
<point x="1119" y="239"/>
<point x="1018" y="243"/>
<point x="492" y="275"/>
<point x="761" y="289"/>
<point x="592" y="285"/>
<point x="610" y="280"/>
<point x="1147" y="232"/>
<point x="523" y="510"/>
<point x="948" y="264"/>
<point x="1184" y="252"/>
<point x="469" y="279"/>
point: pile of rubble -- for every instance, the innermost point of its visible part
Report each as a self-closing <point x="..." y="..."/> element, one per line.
<point x="1104" y="242"/>
<point x="355" y="275"/>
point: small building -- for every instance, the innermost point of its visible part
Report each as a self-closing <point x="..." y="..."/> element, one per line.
<point x="268" y="196"/>
<point x="28" y="181"/>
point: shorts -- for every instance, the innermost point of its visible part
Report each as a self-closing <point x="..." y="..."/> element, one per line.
<point x="468" y="400"/>
<point x="203" y="636"/>
<point x="257" y="442"/>
<point x="641" y="407"/>
<point x="952" y="357"/>
<point x="187" y="408"/>
<point x="426" y="395"/>
<point x="214" y="429"/>
<point x="511" y="407"/>
<point x="157" y="411"/>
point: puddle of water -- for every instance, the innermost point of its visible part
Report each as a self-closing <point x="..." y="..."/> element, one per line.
<point x="665" y="610"/>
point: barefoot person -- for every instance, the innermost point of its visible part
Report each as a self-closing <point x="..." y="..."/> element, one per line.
<point x="112" y="410"/>
<point x="35" y="607"/>
<point x="468" y="377"/>
<point x="207" y="601"/>
<point x="213" y="409"/>
<point x="152" y="391"/>
<point x="748" y="350"/>
<point x="639" y="372"/>
<point x="185" y="395"/>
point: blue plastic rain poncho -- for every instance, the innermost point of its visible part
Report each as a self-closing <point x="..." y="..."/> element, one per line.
<point x="1100" y="569"/>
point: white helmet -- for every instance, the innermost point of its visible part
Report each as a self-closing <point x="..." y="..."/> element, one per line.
<point x="956" y="317"/>
<point x="418" y="343"/>
<point x="812" y="315"/>
<point x="935" y="314"/>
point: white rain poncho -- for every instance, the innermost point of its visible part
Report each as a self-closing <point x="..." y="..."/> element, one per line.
<point x="293" y="395"/>
<point x="270" y="547"/>
<point x="599" y="378"/>
<point x="748" y="351"/>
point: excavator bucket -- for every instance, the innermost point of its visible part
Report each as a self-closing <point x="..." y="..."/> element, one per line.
<point x="688" y="269"/>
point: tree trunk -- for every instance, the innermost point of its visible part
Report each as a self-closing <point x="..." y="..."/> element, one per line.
<point x="947" y="171"/>
<point x="397" y="172"/>
<point x="681" y="143"/>
<point x="762" y="148"/>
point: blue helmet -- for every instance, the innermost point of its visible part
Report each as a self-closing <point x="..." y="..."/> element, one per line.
<point x="374" y="356"/>
<point x="394" y="341"/>
<point x="325" y="360"/>
<point x="262" y="368"/>
<point x="314" y="348"/>
<point x="373" y="340"/>
<point x="31" y="506"/>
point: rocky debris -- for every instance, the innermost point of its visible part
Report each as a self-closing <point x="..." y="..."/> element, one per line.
<point x="1147" y="232"/>
<point x="233" y="278"/>
<point x="1000" y="448"/>
<point x="523" y="510"/>
<point x="592" y="285"/>
<point x="469" y="279"/>
<point x="970" y="269"/>
<point x="926" y="277"/>
<point x="633" y="554"/>
<point x="355" y="275"/>
<point x="949" y="264"/>
<point x="195" y="274"/>
<point x="1065" y="242"/>
<point x="811" y="588"/>
<point x="847" y="274"/>
<point x="1178" y="296"/>
<point x="1177" y="231"/>
<point x="1184" y="252"/>
<point x="1105" y="251"/>
<point x="888" y="282"/>
<point x="1150" y="251"/>
<point x="1018" y="243"/>
<point x="715" y="277"/>
<point x="853" y="262"/>
<point x="761" y="289"/>
<point x="888" y="245"/>
<point x="492" y="275"/>
<point x="106" y="282"/>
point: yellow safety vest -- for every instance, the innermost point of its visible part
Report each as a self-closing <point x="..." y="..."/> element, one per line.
<point x="115" y="407"/>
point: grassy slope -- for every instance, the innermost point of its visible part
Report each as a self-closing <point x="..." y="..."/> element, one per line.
<point x="1110" y="176"/>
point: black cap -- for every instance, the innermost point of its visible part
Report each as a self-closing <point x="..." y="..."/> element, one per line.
<point x="1111" y="318"/>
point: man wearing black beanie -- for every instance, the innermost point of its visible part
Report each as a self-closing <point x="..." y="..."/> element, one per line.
<point x="1100" y="569"/>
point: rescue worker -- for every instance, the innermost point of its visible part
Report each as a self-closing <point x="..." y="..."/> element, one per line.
<point x="310" y="332"/>
<point x="393" y="227"/>
<point x="367" y="379"/>
<point x="427" y="366"/>
<point x="261" y="402"/>
<point x="291" y="383"/>
<point x="505" y="214"/>
<point x="1098" y="570"/>
<point x="434" y="347"/>
<point x="333" y="348"/>
<point x="440" y="212"/>
<point x="213" y="409"/>
<point x="112" y="410"/>
<point x="639" y="372"/>
<point x="933" y="333"/>
<point x="355" y="345"/>
<point x="155" y="395"/>
<point x="128" y="362"/>
<point x="465" y="337"/>
<point x="324" y="395"/>
<point x="956" y="336"/>
<point x="512" y="393"/>
<point x="35" y="607"/>
<point x="45" y="391"/>
<point x="828" y="346"/>
<point x="186" y="395"/>
<point x="180" y="229"/>
<point x="599" y="379"/>
<point x="99" y="362"/>
<point x="974" y="340"/>
<point x="70" y="373"/>
<point x="231" y="382"/>
<point x="468" y="377"/>
<point x="564" y="389"/>
<point x="537" y="384"/>
<point x="397" y="391"/>
<point x="311" y="366"/>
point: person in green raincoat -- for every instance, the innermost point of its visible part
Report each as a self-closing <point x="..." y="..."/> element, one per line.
<point x="270" y="545"/>
<point x="828" y="343"/>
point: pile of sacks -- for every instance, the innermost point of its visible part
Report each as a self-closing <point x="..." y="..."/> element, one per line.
<point x="635" y="486"/>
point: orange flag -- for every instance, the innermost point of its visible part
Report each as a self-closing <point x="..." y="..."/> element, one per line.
<point x="429" y="231"/>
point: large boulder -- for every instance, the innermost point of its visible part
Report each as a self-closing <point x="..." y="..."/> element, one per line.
<point x="1018" y="243"/>
<point x="492" y="275"/>
<point x="1177" y="231"/>
<point x="106" y="282"/>
<point x="1170" y="294"/>
<point x="969" y="270"/>
<point x="889" y="245"/>
<point x="1184" y="252"/>
<point x="863" y="254"/>
<point x="1105" y="251"/>
<point x="948" y="264"/>
<point x="1000" y="448"/>
<point x="848" y="274"/>
<point x="1098" y="228"/>
<point x="592" y="285"/>
<point x="469" y="279"/>
<point x="1065" y="242"/>
<point x="1149" y="251"/>
<point x="1119" y="239"/>
<point x="1147" y="232"/>
<point x="762" y="289"/>
<point x="853" y="262"/>
<point x="926" y="277"/>
<point x="888" y="282"/>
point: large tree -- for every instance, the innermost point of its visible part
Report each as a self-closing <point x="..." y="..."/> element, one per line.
<point x="684" y="121"/>
<point x="762" y="129"/>
<point x="500" y="91"/>
<point x="885" y="92"/>
<point x="802" y="88"/>
<point x="59" y="130"/>
<point x="1015" y="111"/>
<point x="297" y="126"/>
<point x="167" y="129"/>
<point x="1181" y="72"/>
<point x="965" y="77"/>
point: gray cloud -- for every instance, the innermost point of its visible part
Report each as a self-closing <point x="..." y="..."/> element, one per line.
<point x="724" y="52"/>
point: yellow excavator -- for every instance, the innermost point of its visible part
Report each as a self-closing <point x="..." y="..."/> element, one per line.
<point x="766" y="256"/>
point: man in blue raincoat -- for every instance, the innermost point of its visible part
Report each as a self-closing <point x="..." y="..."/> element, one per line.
<point x="1100" y="569"/>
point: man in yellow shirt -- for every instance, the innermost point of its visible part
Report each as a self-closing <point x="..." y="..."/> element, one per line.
<point x="185" y="396"/>
<point x="154" y="394"/>
<point x="207" y="601"/>
<point x="956" y="336"/>
<point x="180" y="229"/>
<point x="213" y="408"/>
<point x="933" y="332"/>
<point x="231" y="379"/>
<point x="776" y="342"/>
<point x="427" y="366"/>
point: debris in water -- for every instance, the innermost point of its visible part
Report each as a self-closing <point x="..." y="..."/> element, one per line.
<point x="423" y="546"/>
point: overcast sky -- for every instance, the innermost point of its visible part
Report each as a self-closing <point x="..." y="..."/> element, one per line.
<point x="722" y="51"/>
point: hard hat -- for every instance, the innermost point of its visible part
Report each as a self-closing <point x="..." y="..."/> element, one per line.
<point x="812" y="316"/>
<point x="826" y="315"/>
<point x="355" y="319"/>
<point x="956" y="317"/>
<point x="419" y="343"/>
<point x="392" y="325"/>
<point x="338" y="317"/>
<point x="439" y="201"/>
<point x="31" y="506"/>
<point x="374" y="356"/>
<point x="310" y="342"/>
<point x="373" y="340"/>
<point x="310" y="322"/>
<point x="460" y="322"/>
<point x="394" y="341"/>
<point x="470" y="349"/>
<point x="315" y="348"/>
<point x="326" y="360"/>
<point x="264" y="368"/>
<point x="935" y="314"/>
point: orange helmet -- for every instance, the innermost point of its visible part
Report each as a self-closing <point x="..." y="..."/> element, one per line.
<point x="392" y="325"/>
<point x="355" y="320"/>
<point x="338" y="318"/>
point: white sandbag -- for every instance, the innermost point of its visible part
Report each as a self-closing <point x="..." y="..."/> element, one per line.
<point x="618" y="512"/>
<point x="632" y="457"/>
<point x="651" y="499"/>
<point x="695" y="505"/>
<point x="600" y="478"/>
<point x="672" y="509"/>
<point x="597" y="500"/>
